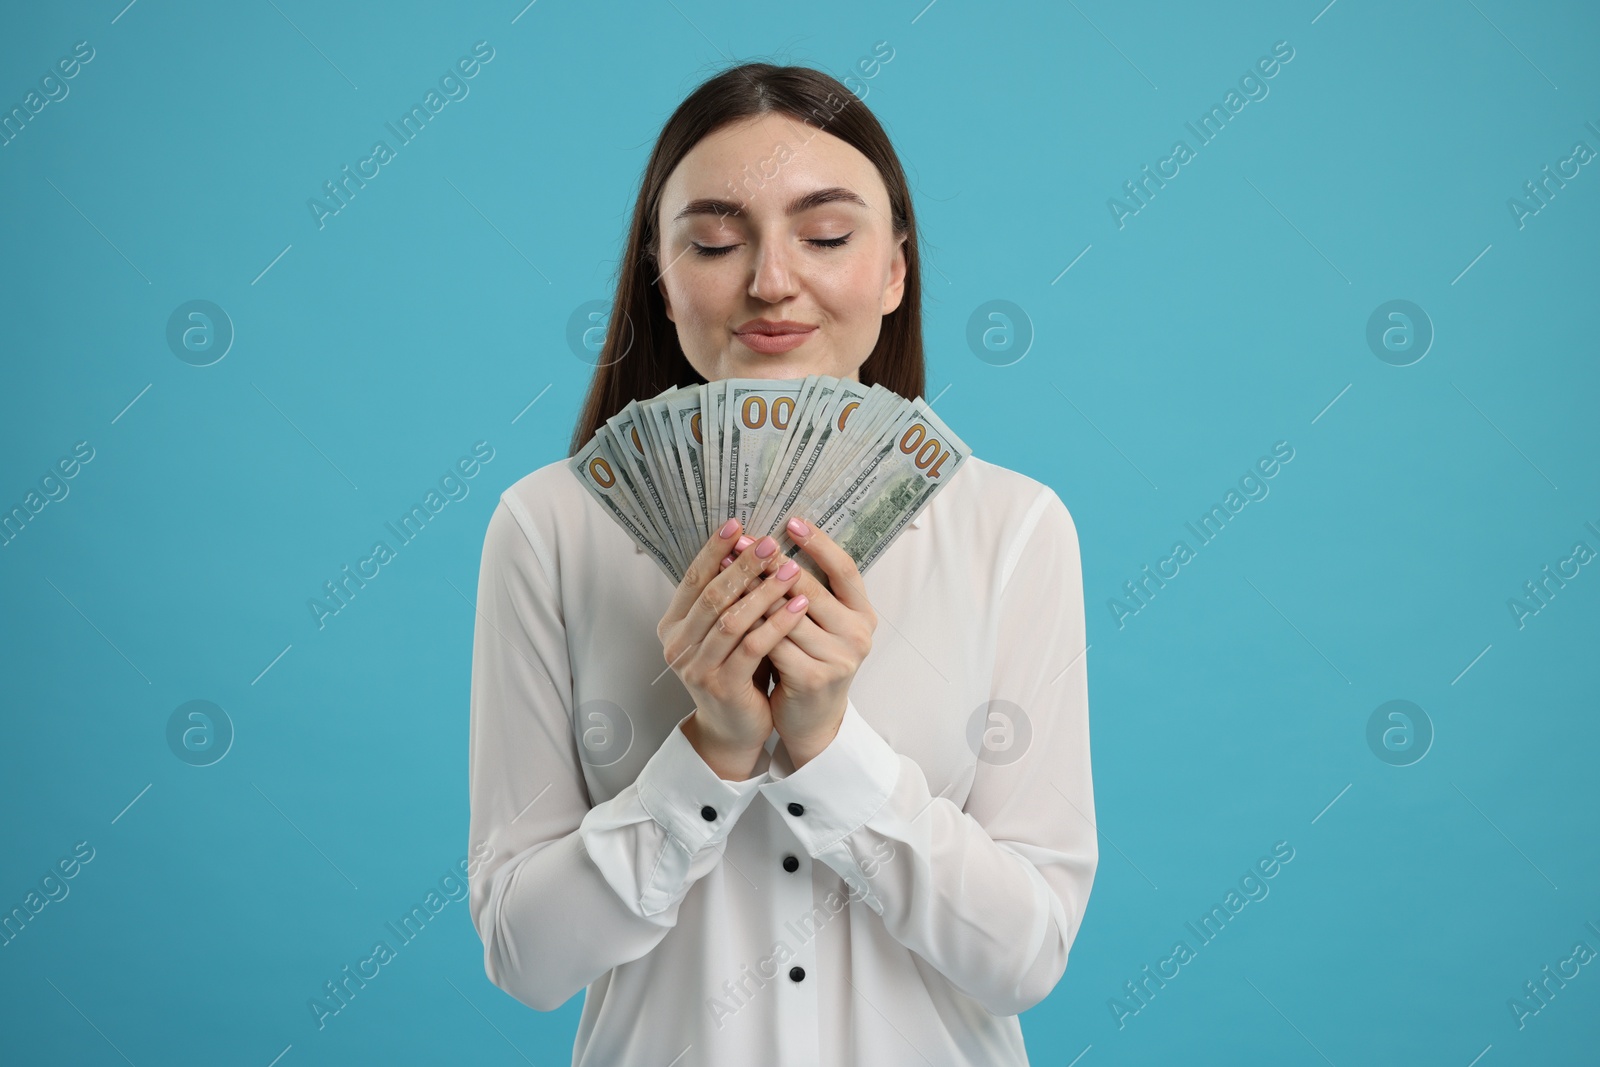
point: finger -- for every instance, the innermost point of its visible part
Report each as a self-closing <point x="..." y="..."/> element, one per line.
<point x="824" y="608"/>
<point x="764" y="638"/>
<point x="708" y="621"/>
<point x="739" y="546"/>
<point x="789" y="659"/>
<point x="744" y="542"/>
<point x="730" y="627"/>
<point x="816" y="642"/>
<point x="835" y="562"/>
<point x="702" y="569"/>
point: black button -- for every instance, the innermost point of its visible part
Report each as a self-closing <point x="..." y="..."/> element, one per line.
<point x="796" y="973"/>
<point x="791" y="864"/>
<point x="708" y="813"/>
<point x="796" y="809"/>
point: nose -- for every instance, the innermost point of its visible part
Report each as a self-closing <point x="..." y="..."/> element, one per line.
<point x="773" y="280"/>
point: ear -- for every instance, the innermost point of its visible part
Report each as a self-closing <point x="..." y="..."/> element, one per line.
<point x="895" y="291"/>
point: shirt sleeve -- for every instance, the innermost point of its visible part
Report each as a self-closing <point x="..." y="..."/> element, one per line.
<point x="991" y="894"/>
<point x="568" y="890"/>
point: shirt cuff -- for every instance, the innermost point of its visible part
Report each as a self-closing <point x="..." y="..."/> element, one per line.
<point x="682" y="793"/>
<point x="838" y="789"/>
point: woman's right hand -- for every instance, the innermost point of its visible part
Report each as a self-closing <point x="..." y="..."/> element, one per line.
<point x="716" y="632"/>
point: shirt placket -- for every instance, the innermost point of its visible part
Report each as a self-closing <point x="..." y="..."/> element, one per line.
<point x="795" y="1007"/>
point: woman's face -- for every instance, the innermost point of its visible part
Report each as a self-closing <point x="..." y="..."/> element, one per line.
<point x="772" y="220"/>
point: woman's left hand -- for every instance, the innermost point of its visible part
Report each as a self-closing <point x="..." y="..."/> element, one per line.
<point x="817" y="660"/>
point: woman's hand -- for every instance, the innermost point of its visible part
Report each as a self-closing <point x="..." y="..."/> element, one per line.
<point x="818" y="658"/>
<point x="716" y="632"/>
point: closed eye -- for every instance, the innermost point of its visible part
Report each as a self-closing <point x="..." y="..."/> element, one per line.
<point x="711" y="251"/>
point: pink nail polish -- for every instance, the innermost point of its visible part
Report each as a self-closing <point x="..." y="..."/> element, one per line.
<point x="798" y="604"/>
<point x="728" y="528"/>
<point x="798" y="527"/>
<point x="725" y="561"/>
<point x="766" y="547"/>
<point x="788" y="570"/>
<point x="744" y="542"/>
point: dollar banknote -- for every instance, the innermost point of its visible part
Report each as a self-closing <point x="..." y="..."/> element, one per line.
<point x="859" y="461"/>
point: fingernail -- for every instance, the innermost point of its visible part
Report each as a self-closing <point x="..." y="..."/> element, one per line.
<point x="744" y="542"/>
<point x="728" y="528"/>
<point x="798" y="527"/>
<point x="725" y="561"/>
<point x="787" y="571"/>
<point x="766" y="547"/>
<point x="798" y="603"/>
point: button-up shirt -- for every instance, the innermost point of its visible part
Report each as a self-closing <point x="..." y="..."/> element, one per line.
<point x="898" y="899"/>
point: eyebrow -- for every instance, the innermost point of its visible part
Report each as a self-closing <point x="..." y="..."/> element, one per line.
<point x="804" y="202"/>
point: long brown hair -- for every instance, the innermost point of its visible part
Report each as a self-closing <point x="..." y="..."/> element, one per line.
<point x="638" y="308"/>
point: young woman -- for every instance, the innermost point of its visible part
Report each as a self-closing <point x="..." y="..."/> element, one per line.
<point x="761" y="819"/>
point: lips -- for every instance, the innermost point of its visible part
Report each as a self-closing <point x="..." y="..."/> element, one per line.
<point x="774" y="327"/>
<point x="770" y="336"/>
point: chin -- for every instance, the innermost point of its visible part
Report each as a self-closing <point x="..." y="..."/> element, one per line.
<point x="775" y="366"/>
<point x="778" y="373"/>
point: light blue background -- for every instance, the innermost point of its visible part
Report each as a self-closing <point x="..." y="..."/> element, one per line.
<point x="1229" y="314"/>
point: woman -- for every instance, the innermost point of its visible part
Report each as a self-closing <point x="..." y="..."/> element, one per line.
<point x="886" y="857"/>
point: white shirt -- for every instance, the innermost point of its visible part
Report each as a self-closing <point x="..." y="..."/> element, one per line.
<point x="934" y="896"/>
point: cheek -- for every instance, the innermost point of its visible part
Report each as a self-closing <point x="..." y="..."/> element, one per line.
<point x="699" y="298"/>
<point x="852" y="291"/>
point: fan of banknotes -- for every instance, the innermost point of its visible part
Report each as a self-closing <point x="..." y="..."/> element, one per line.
<point x="858" y="461"/>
